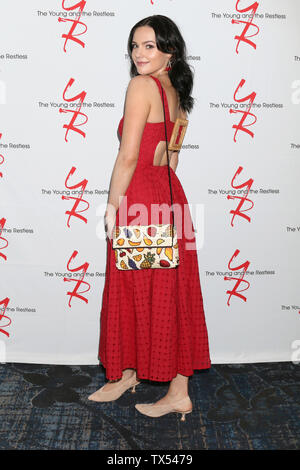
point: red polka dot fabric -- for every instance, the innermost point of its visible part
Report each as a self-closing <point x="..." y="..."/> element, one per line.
<point x="153" y="320"/>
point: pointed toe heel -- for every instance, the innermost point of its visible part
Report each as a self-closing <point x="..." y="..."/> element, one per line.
<point x="103" y="395"/>
<point x="155" y="411"/>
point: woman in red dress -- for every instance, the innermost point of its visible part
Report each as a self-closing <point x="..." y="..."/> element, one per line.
<point x="152" y="320"/>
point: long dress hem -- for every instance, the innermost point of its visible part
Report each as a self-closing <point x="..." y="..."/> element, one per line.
<point x="151" y="377"/>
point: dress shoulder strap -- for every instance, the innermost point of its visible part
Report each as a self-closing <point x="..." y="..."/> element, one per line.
<point x="163" y="96"/>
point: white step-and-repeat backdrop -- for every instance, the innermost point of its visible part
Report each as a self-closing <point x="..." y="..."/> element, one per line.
<point x="64" y="71"/>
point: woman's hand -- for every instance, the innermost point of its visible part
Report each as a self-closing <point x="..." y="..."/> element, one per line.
<point x="109" y="222"/>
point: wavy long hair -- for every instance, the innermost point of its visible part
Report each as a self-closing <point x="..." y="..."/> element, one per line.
<point x="169" y="40"/>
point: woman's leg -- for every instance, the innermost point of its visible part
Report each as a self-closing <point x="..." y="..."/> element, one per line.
<point x="178" y="389"/>
<point x="126" y="374"/>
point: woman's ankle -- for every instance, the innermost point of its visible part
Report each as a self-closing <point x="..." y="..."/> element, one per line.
<point x="177" y="394"/>
<point x="128" y="373"/>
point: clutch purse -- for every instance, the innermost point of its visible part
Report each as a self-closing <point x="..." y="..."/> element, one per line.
<point x="146" y="246"/>
<point x="150" y="246"/>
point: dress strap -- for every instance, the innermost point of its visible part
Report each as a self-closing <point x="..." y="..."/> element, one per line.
<point x="163" y="97"/>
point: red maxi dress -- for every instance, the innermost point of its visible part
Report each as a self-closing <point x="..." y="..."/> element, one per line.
<point x="152" y="320"/>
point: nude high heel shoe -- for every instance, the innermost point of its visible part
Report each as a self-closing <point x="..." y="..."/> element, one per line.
<point x="183" y="406"/>
<point x="111" y="395"/>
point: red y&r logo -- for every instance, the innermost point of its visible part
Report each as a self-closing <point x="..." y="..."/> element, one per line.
<point x="73" y="212"/>
<point x="71" y="125"/>
<point x="2" y="315"/>
<point x="240" y="126"/>
<point x="78" y="282"/>
<point x="239" y="280"/>
<point x="244" y="198"/>
<point x="243" y="36"/>
<point x="71" y="36"/>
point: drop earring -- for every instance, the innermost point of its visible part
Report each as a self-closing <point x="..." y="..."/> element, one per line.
<point x="169" y="66"/>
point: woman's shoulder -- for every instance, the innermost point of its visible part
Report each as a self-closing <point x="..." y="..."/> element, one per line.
<point x="140" y="87"/>
<point x="140" y="81"/>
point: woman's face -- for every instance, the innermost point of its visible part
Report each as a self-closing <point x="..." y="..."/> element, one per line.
<point x="145" y="55"/>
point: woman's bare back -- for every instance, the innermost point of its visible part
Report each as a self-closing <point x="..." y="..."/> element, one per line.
<point x="156" y="114"/>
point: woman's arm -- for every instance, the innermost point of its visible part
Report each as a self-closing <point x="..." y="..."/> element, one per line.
<point x="137" y="108"/>
<point x="174" y="161"/>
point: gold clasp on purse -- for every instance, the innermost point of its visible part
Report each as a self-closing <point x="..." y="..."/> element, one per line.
<point x="178" y="123"/>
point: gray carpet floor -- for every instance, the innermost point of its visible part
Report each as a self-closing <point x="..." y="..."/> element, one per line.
<point x="235" y="406"/>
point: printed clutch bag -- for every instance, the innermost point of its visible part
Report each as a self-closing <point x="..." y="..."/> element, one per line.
<point x="145" y="246"/>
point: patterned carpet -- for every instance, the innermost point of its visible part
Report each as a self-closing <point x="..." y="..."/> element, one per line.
<point x="236" y="406"/>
